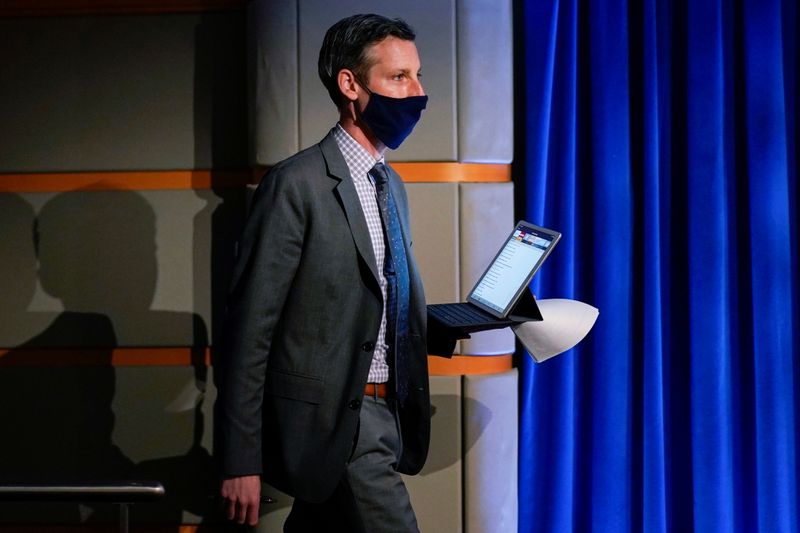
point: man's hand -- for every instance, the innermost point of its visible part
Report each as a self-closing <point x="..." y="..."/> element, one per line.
<point x="242" y="496"/>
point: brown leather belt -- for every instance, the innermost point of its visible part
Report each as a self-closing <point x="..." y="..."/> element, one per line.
<point x="377" y="390"/>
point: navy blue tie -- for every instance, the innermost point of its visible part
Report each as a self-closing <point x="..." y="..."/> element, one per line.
<point x="397" y="286"/>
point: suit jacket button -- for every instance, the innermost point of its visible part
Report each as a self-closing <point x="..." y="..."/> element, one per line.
<point x="368" y="346"/>
<point x="354" y="404"/>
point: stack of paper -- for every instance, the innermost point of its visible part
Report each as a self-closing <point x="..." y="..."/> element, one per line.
<point x="565" y="323"/>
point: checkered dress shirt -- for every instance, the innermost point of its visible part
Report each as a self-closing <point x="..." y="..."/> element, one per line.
<point x="360" y="162"/>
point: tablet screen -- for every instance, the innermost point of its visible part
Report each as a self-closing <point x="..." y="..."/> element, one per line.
<point x="512" y="268"/>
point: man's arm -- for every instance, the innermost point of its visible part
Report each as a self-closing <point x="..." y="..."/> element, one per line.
<point x="270" y="253"/>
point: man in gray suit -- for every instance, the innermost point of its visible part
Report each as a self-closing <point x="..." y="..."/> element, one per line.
<point x="323" y="372"/>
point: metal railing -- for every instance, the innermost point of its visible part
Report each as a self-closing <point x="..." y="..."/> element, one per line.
<point x="123" y="494"/>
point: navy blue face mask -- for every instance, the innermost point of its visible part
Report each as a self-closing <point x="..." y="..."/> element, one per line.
<point x="391" y="120"/>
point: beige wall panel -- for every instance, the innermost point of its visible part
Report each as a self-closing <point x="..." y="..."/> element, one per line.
<point x="116" y="268"/>
<point x="490" y="460"/>
<point x="436" y="493"/>
<point x="434" y="225"/>
<point x="123" y="92"/>
<point x="272" y="80"/>
<point x="487" y="217"/>
<point x="485" y="81"/>
<point x="434" y="138"/>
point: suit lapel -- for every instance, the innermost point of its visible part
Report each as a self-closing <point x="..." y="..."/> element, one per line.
<point x="346" y="190"/>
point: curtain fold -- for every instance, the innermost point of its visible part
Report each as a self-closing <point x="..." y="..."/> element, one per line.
<point x="660" y="138"/>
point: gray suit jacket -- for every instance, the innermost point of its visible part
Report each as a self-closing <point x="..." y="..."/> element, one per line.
<point x="301" y="324"/>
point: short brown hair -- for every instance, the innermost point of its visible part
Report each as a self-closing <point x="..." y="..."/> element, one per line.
<point x="346" y="45"/>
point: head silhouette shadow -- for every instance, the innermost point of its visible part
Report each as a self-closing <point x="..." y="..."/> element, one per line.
<point x="96" y="254"/>
<point x="18" y="272"/>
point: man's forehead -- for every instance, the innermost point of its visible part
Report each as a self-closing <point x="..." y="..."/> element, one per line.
<point x="394" y="52"/>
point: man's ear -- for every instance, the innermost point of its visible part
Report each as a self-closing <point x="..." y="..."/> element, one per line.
<point x="348" y="85"/>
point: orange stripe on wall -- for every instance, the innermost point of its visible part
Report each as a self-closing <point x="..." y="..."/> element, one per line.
<point x="442" y="171"/>
<point x="461" y="365"/>
<point x="188" y="356"/>
<point x="453" y="172"/>
<point x="178" y="356"/>
<point x="208" y="179"/>
<point x="123" y="181"/>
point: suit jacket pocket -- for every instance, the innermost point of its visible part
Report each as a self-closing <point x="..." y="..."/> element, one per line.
<point x="294" y="386"/>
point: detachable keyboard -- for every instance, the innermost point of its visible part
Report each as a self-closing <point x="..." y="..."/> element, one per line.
<point x="464" y="315"/>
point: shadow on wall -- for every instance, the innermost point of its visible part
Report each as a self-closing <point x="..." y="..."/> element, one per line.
<point x="220" y="144"/>
<point x="69" y="413"/>
<point x="448" y="411"/>
<point x="220" y="137"/>
<point x="96" y="254"/>
<point x="18" y="272"/>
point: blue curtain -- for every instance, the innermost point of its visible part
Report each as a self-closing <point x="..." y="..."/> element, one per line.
<point x="661" y="139"/>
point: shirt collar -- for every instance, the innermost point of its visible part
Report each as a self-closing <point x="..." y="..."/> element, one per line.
<point x="359" y="160"/>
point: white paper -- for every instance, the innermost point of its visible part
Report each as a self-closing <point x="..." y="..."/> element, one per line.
<point x="565" y="323"/>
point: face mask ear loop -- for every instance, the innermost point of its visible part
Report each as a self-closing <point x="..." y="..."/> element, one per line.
<point x="360" y="112"/>
<point x="362" y="84"/>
